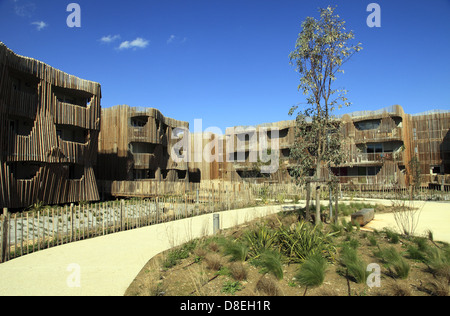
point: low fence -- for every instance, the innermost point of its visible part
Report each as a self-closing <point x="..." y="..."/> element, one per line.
<point x="44" y="227"/>
<point x="26" y="232"/>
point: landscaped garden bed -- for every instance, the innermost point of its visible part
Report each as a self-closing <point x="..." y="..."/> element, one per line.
<point x="284" y="255"/>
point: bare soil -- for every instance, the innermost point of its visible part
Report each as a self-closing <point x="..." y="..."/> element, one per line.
<point x="195" y="276"/>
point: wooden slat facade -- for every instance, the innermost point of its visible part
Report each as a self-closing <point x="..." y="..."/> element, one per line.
<point x="49" y="126"/>
<point x="134" y="152"/>
<point x="400" y="137"/>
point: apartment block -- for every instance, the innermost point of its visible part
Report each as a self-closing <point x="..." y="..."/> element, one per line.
<point x="135" y="153"/>
<point x="378" y="146"/>
<point x="49" y="126"/>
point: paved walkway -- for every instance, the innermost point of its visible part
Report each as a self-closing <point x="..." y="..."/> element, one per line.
<point x="108" y="264"/>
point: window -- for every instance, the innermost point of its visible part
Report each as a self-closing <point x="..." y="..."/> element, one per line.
<point x="142" y="148"/>
<point x="24" y="170"/>
<point x="141" y="174"/>
<point x="436" y="169"/>
<point x="367" y="125"/>
<point x="285" y="153"/>
<point x="15" y="83"/>
<point x="76" y="172"/>
<point x="72" y="134"/>
<point x="181" y="174"/>
<point x="374" y="148"/>
<point x="72" y="96"/>
<point x="139" y="121"/>
<point x="368" y="171"/>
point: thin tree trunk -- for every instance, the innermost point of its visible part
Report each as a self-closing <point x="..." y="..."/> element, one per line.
<point x="336" y="206"/>
<point x="318" y="174"/>
<point x="308" y="198"/>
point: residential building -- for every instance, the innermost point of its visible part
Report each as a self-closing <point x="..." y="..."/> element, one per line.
<point x="49" y="125"/>
<point x="378" y="146"/>
<point x="135" y="153"/>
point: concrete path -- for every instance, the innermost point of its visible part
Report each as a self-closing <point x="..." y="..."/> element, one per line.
<point x="434" y="216"/>
<point x="108" y="264"/>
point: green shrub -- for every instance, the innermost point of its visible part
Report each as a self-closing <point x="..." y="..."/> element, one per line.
<point x="356" y="268"/>
<point x="270" y="262"/>
<point x="237" y="250"/>
<point x="421" y="243"/>
<point x="438" y="261"/>
<point x="337" y="229"/>
<point x="372" y="240"/>
<point x="303" y="241"/>
<point x="414" y="253"/>
<point x="394" y="262"/>
<point x="259" y="240"/>
<point x="392" y="236"/>
<point x="231" y="287"/>
<point x="312" y="272"/>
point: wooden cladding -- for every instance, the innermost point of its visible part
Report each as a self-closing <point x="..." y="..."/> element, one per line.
<point x="135" y="144"/>
<point x="31" y="116"/>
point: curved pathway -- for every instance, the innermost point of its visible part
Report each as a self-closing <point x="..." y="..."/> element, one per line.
<point x="108" y="264"/>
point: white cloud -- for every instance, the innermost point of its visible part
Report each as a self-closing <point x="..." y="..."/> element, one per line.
<point x="137" y="43"/>
<point x="171" y="39"/>
<point x="109" y="38"/>
<point x="24" y="9"/>
<point x="176" y="39"/>
<point x="40" y="25"/>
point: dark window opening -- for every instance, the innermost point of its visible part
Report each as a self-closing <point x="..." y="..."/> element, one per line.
<point x="142" y="174"/>
<point x="76" y="172"/>
<point x="436" y="169"/>
<point x="20" y="126"/>
<point x="139" y="121"/>
<point x="24" y="82"/>
<point x="142" y="148"/>
<point x="72" y="96"/>
<point x="367" y="125"/>
<point x="285" y="153"/>
<point x="24" y="170"/>
<point x="195" y="176"/>
<point x="252" y="174"/>
<point x="72" y="134"/>
<point x="181" y="174"/>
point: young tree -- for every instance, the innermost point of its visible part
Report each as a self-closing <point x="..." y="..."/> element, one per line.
<point x="321" y="49"/>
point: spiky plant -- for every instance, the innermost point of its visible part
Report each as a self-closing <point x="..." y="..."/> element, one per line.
<point x="438" y="261"/>
<point x="270" y="262"/>
<point x="312" y="272"/>
<point x="394" y="261"/>
<point x="237" y="250"/>
<point x="356" y="268"/>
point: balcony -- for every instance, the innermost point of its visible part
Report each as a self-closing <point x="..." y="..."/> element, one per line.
<point x="76" y="115"/>
<point x="363" y="136"/>
<point x="374" y="158"/>
<point x="23" y="104"/>
<point x="360" y="180"/>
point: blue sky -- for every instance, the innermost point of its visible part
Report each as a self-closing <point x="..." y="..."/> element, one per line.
<point x="226" y="61"/>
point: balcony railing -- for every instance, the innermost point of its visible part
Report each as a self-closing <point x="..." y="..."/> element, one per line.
<point x="361" y="180"/>
<point x="377" y="135"/>
<point x="23" y="104"/>
<point x="361" y="158"/>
